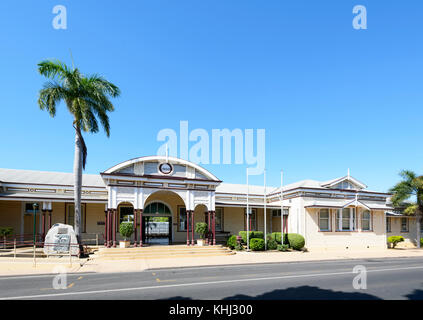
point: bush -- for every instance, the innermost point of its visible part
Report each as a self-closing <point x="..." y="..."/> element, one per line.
<point x="421" y="242"/>
<point x="277" y="237"/>
<point x="272" y="244"/>
<point x="257" y="244"/>
<point x="126" y="229"/>
<point x="6" y="231"/>
<point x="283" y="247"/>
<point x="395" y="240"/>
<point x="231" y="243"/>
<point x="239" y="247"/>
<point x="251" y="235"/>
<point x="296" y="241"/>
<point x="201" y="229"/>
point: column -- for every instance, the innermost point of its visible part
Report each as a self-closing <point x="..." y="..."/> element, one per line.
<point x="140" y="210"/>
<point x="43" y="224"/>
<point x="192" y="227"/>
<point x="214" y="226"/>
<point x="109" y="229"/>
<point x="105" y="228"/>
<point x="114" y="227"/>
<point x="135" y="227"/>
<point x="187" y="218"/>
<point x="209" y="236"/>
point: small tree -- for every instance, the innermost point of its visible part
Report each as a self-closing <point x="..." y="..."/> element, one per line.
<point x="395" y="240"/>
<point x="126" y="229"/>
<point x="201" y="229"/>
<point x="410" y="188"/>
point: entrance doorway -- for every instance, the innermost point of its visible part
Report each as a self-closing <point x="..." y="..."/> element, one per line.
<point x="157" y="230"/>
<point x="157" y="224"/>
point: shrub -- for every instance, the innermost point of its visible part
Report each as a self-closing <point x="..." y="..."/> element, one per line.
<point x="395" y="240"/>
<point x="6" y="231"/>
<point x="126" y="229"/>
<point x="239" y="247"/>
<point x="257" y="244"/>
<point x="296" y="241"/>
<point x="231" y="243"/>
<point x="272" y="244"/>
<point x="201" y="229"/>
<point x="421" y="242"/>
<point x="277" y="237"/>
<point x="251" y="235"/>
<point x="283" y="247"/>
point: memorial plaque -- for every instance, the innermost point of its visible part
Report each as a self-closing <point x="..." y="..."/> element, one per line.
<point x="61" y="239"/>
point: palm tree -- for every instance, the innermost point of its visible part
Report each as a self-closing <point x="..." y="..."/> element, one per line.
<point x="410" y="188"/>
<point x="87" y="98"/>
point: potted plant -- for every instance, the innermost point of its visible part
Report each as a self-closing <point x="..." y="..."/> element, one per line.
<point x="201" y="229"/>
<point x="126" y="229"/>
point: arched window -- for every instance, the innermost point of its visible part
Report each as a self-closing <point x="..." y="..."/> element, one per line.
<point x="157" y="208"/>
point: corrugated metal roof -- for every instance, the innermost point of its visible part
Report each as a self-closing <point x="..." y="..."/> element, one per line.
<point x="48" y="178"/>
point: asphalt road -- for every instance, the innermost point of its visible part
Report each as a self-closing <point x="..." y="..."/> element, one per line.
<point x="400" y="278"/>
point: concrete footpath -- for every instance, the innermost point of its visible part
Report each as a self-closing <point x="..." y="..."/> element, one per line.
<point x="25" y="266"/>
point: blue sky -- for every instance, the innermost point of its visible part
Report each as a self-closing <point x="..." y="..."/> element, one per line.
<point x="329" y="97"/>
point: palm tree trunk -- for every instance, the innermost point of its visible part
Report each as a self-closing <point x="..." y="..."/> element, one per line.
<point x="418" y="222"/>
<point x="77" y="172"/>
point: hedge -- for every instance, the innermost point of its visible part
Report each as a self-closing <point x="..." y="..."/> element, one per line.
<point x="257" y="244"/>
<point x="231" y="243"/>
<point x="251" y="235"/>
<point x="395" y="240"/>
<point x="283" y="247"/>
<point x="296" y="241"/>
<point x="272" y="244"/>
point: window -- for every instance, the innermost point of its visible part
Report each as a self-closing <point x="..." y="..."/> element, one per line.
<point x="219" y="219"/>
<point x="182" y="216"/>
<point x="388" y="224"/>
<point x="404" y="225"/>
<point x="345" y="219"/>
<point x="366" y="221"/>
<point x="277" y="212"/>
<point x="253" y="220"/>
<point x="157" y="208"/>
<point x="30" y="209"/>
<point x="126" y="214"/>
<point x="324" y="220"/>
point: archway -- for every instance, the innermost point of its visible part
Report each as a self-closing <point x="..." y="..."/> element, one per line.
<point x="157" y="223"/>
<point x="163" y="218"/>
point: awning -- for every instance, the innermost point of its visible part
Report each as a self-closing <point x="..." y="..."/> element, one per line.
<point x="374" y="205"/>
<point x="394" y="214"/>
<point x="328" y="203"/>
<point x="342" y="203"/>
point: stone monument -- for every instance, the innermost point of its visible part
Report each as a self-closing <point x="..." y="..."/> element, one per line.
<point x="60" y="239"/>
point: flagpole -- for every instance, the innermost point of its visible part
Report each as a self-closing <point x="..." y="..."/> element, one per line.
<point x="264" y="212"/>
<point x="248" y="216"/>
<point x="282" y="237"/>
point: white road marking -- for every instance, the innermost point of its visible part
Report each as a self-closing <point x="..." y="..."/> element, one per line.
<point x="201" y="283"/>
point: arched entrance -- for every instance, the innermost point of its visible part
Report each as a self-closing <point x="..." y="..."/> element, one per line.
<point x="157" y="223"/>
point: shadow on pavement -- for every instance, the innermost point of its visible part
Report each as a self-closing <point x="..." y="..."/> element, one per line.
<point x="306" y="293"/>
<point x="300" y="293"/>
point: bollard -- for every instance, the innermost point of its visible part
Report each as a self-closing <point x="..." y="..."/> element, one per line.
<point x="70" y="257"/>
<point x="35" y="261"/>
<point x="14" y="248"/>
<point x="96" y="239"/>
